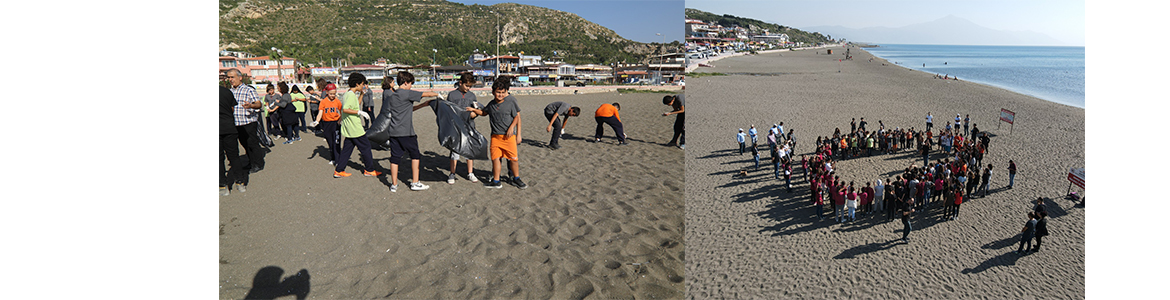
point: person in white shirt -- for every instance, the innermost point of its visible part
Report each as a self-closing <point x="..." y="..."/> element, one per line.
<point x="741" y="138"/>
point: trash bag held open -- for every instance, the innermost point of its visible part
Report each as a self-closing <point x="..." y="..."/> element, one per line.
<point x="457" y="131"/>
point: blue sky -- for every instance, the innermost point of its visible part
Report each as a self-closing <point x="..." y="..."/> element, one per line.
<point x="636" y="20"/>
<point x="1062" y="20"/>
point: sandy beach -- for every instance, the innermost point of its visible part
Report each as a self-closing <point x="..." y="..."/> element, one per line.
<point x="748" y="238"/>
<point x="598" y="220"/>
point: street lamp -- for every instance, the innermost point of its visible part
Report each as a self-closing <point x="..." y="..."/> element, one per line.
<point x="661" y="57"/>
<point x="278" y="62"/>
<point x="434" y="75"/>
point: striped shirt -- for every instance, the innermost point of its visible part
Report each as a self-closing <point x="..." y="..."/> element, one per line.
<point x="245" y="94"/>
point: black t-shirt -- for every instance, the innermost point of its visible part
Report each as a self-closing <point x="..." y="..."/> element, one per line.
<point x="227" y="101"/>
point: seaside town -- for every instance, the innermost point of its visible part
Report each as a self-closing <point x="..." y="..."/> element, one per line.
<point x="526" y="70"/>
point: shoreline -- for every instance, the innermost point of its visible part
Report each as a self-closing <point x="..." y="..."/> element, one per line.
<point x="973" y="81"/>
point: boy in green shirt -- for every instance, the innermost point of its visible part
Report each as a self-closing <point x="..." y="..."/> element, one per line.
<point x="352" y="131"/>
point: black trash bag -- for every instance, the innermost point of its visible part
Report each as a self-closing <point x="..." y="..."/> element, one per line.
<point x="262" y="136"/>
<point x="379" y="132"/>
<point x="457" y="131"/>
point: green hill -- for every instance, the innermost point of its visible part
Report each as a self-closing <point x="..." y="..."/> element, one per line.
<point x="757" y="26"/>
<point x="405" y="31"/>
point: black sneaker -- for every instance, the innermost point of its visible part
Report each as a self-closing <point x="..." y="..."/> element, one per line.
<point x="518" y="183"/>
<point x="554" y="147"/>
<point x="623" y="143"/>
<point x="494" y="184"/>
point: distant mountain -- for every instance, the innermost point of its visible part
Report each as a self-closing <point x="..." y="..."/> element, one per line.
<point x="949" y="30"/>
<point x="405" y="31"/>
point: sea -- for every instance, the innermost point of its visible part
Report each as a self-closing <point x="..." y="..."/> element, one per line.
<point x="1051" y="73"/>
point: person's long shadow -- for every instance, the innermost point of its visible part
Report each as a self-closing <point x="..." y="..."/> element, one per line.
<point x="866" y="249"/>
<point x="1004" y="243"/>
<point x="717" y="153"/>
<point x="791" y="212"/>
<point x="1006" y="259"/>
<point x="268" y="285"/>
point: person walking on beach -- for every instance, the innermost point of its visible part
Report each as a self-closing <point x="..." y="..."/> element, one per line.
<point x="741" y="137"/>
<point x="1011" y="173"/>
<point x="907" y="208"/>
<point x="957" y="204"/>
<point x="327" y="121"/>
<point x="351" y="129"/>
<point x="929" y="121"/>
<point x="246" y="116"/>
<point x="1029" y="232"/>
<point x="677" y="104"/>
<point x="608" y="114"/>
<point x="462" y="98"/>
<point x="504" y="115"/>
<point x="553" y="112"/>
<point x="403" y="140"/>
<point x="1041" y="229"/>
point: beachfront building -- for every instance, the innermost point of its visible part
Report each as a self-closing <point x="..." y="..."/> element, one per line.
<point x="595" y="73"/>
<point x="667" y="68"/>
<point x="503" y="65"/>
<point x="262" y="68"/>
<point x="770" y="38"/>
<point x="329" y="74"/>
<point x="374" y="73"/>
<point x="541" y="73"/>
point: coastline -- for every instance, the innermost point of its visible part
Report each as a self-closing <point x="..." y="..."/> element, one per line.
<point x="749" y="237"/>
<point x="991" y="84"/>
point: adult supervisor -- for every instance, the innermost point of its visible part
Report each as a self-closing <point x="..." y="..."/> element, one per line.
<point x="677" y="103"/>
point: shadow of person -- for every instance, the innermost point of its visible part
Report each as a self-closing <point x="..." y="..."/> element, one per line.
<point x="267" y="284"/>
<point x="865" y="249"/>
<point x="1006" y="259"/>
<point x="1004" y="243"/>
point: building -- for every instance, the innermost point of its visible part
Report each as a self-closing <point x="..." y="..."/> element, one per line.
<point x="594" y="72"/>
<point x="770" y="38"/>
<point x="667" y="68"/>
<point x="262" y="68"/>
<point x="502" y="65"/>
<point x="374" y="73"/>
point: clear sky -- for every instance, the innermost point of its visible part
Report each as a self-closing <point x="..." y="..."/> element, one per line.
<point x="636" y="20"/>
<point x="1061" y="20"/>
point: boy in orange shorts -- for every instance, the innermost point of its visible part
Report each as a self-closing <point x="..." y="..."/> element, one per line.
<point x="504" y="116"/>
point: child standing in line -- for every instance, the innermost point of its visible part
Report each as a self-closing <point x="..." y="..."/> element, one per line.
<point x="504" y="116"/>
<point x="403" y="140"/>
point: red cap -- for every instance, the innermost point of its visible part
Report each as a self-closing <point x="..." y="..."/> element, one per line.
<point x="330" y="87"/>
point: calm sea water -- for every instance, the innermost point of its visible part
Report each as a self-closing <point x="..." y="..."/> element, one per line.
<point x="1055" y="74"/>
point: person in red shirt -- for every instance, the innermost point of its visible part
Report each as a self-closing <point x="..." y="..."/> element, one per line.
<point x="839" y="201"/>
<point x="868" y="200"/>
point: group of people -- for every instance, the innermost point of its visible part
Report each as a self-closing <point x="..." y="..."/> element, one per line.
<point x="943" y="184"/>
<point x="344" y="121"/>
<point x="780" y="148"/>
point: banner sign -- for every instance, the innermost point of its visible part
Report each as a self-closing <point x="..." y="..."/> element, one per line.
<point x="484" y="73"/>
<point x="1077" y="177"/>
<point x="1007" y="116"/>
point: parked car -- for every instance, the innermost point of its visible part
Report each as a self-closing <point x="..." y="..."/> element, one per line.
<point x="521" y="83"/>
<point x="574" y="82"/>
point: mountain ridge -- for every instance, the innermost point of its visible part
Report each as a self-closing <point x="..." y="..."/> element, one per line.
<point x="404" y="31"/>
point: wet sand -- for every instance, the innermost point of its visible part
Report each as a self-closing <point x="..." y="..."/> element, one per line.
<point x="749" y="238"/>
<point x="598" y="220"/>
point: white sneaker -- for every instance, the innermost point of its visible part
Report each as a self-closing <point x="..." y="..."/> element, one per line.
<point x="393" y="188"/>
<point x="471" y="177"/>
<point x="418" y="186"/>
<point x="451" y="179"/>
